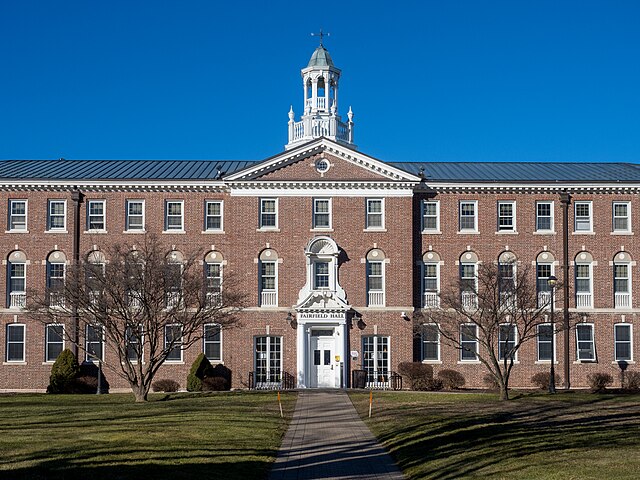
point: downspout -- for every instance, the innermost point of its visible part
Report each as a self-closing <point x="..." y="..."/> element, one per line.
<point x="565" y="199"/>
<point x="77" y="198"/>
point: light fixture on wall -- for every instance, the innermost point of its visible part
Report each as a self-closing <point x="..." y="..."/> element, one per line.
<point x="290" y="319"/>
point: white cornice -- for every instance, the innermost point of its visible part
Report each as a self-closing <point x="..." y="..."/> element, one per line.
<point x="335" y="189"/>
<point x="534" y="187"/>
<point x="107" y="186"/>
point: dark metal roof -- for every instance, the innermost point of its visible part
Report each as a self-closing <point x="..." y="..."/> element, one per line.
<point x="523" y="172"/>
<point x="119" y="169"/>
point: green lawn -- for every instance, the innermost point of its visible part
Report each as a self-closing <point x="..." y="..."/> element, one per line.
<point x="178" y="436"/>
<point x="577" y="436"/>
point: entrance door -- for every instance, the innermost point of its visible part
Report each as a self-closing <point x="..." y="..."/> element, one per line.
<point x="323" y="367"/>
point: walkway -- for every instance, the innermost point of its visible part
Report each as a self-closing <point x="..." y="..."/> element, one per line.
<point x="327" y="440"/>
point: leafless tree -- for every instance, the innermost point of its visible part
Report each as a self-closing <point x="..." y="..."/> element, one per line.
<point x="147" y="304"/>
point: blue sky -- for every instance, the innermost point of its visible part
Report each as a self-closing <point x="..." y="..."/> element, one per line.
<point x="427" y="80"/>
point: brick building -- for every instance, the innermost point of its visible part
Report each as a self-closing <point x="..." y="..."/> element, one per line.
<point x="335" y="250"/>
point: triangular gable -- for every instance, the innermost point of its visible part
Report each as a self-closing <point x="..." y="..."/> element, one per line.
<point x="299" y="164"/>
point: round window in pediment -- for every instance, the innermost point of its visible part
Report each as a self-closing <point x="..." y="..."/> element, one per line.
<point x="322" y="165"/>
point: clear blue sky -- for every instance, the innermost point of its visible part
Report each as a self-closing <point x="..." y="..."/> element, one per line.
<point x="428" y="80"/>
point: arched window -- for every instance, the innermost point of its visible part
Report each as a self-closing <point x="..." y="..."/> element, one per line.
<point x="173" y="278"/>
<point x="507" y="277"/>
<point x="56" y="264"/>
<point x="213" y="278"/>
<point x="430" y="280"/>
<point x="622" y="280"/>
<point x="375" y="278"/>
<point x="94" y="273"/>
<point x="17" y="275"/>
<point x="544" y="270"/>
<point x="584" y="280"/>
<point x="469" y="280"/>
<point x="268" y="278"/>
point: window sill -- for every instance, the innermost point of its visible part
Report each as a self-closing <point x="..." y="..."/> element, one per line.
<point x="274" y="229"/>
<point x="544" y="232"/>
<point x="432" y="362"/>
<point x="578" y="362"/>
<point x="621" y="233"/>
<point x="469" y="362"/>
<point x="468" y="232"/>
<point x="49" y="363"/>
<point x="628" y="362"/>
<point x="431" y="232"/>
<point x="178" y="232"/>
<point x="16" y="231"/>
<point x="14" y="363"/>
<point x="321" y="229"/>
<point x="129" y="232"/>
<point x="212" y="232"/>
<point x="506" y="232"/>
<point x="174" y="362"/>
<point x="268" y="307"/>
<point x="374" y="230"/>
<point x="97" y="232"/>
<point x="583" y="233"/>
<point x="56" y="231"/>
<point x="545" y="362"/>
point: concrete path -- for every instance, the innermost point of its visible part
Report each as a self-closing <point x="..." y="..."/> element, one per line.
<point x="327" y="440"/>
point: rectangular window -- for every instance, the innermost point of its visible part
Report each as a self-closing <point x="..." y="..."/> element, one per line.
<point x="15" y="342"/>
<point x="585" y="344"/>
<point x="268" y="361"/>
<point x="375" y="283"/>
<point x="583" y="220"/>
<point x="621" y="215"/>
<point x="545" y="342"/>
<point x="430" y="216"/>
<point x="17" y="215"/>
<point x="174" y="219"/>
<point x="430" y="342"/>
<point x="57" y="215"/>
<point x="213" y="342"/>
<point x="17" y="284"/>
<point x="55" y="284"/>
<point x="321" y="213"/>
<point x="213" y="277"/>
<point x="507" y="342"/>
<point x="95" y="215"/>
<point x="468" y="343"/>
<point x="506" y="216"/>
<point x="468" y="216"/>
<point x="543" y="272"/>
<point x="375" y="359"/>
<point x="430" y="284"/>
<point x="135" y="215"/>
<point x="54" y="342"/>
<point x="134" y="343"/>
<point x="583" y="285"/>
<point x="375" y="213"/>
<point x="268" y="284"/>
<point x="622" y="338"/>
<point x="213" y="215"/>
<point x="321" y="275"/>
<point x="94" y="343"/>
<point x="544" y="217"/>
<point x="621" y="277"/>
<point x="268" y="213"/>
<point x="173" y="342"/>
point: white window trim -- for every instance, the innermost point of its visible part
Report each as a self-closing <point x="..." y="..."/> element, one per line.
<point x="62" y="229"/>
<point x="46" y="340"/>
<point x="313" y="220"/>
<point x="469" y="360"/>
<point x="177" y="345"/>
<point x="423" y="279"/>
<point x="553" y="344"/>
<point x="475" y="217"/>
<point x="629" y="283"/>
<point x="204" y="343"/>
<point x="422" y="342"/>
<point x="87" y="357"/>
<point x="104" y="216"/>
<point x="384" y="283"/>
<point x="127" y="227"/>
<point x="593" y="344"/>
<point x="128" y="342"/>
<point x="206" y="216"/>
<point x="515" y="341"/>
<point x="260" y="212"/>
<point x="575" y="217"/>
<point x="260" y="276"/>
<point x="24" y="342"/>
<point x="615" y="342"/>
<point x="590" y="264"/>
<point x="382" y="214"/>
<point x="431" y="230"/>
<point x="166" y="217"/>
<point x="513" y="228"/>
<point x="26" y="216"/>
<point x="552" y="226"/>
<point x="613" y="218"/>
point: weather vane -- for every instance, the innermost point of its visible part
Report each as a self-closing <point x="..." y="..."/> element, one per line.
<point x="321" y="35"/>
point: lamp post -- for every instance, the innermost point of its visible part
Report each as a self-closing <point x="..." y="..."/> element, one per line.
<point x="552" y="281"/>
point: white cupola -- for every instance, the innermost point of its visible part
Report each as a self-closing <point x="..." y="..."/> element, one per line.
<point x="320" y="81"/>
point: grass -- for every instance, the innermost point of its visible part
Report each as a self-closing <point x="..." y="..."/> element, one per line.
<point x="177" y="436"/>
<point x="535" y="436"/>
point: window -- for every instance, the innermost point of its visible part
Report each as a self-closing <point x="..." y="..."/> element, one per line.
<point x="268" y="361"/>
<point x="507" y="277"/>
<point x="320" y="275"/>
<point x="213" y="342"/>
<point x="430" y="342"/>
<point x="95" y="215"/>
<point x="321" y="213"/>
<point x="545" y="340"/>
<point x="268" y="213"/>
<point x="468" y="343"/>
<point x="621" y="215"/>
<point x="54" y="342"/>
<point x="375" y="213"/>
<point x="469" y="282"/>
<point x="586" y="348"/>
<point x="583" y="222"/>
<point x="430" y="284"/>
<point x="507" y="342"/>
<point x="55" y="279"/>
<point x="620" y="279"/>
<point x="173" y="279"/>
<point x="94" y="343"/>
<point x="468" y="216"/>
<point x="622" y="338"/>
<point x="213" y="215"/>
<point x="17" y="279"/>
<point x="173" y="342"/>
<point x="375" y="359"/>
<point x="15" y="342"/>
<point x="95" y="270"/>
<point x="213" y="278"/>
<point x="18" y="215"/>
<point x="430" y="216"/>
<point x="506" y="216"/>
<point x="135" y="215"/>
<point x="57" y="215"/>
<point x="583" y="285"/>
<point x="375" y="283"/>
<point x="268" y="284"/>
<point x="174" y="219"/>
<point x="544" y="217"/>
<point x="543" y="272"/>
<point x="134" y="343"/>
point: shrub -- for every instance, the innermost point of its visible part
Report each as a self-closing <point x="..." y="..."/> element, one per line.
<point x="491" y="382"/>
<point x="84" y="384"/>
<point x="451" y="379"/>
<point x="598" y="382"/>
<point x="632" y="381"/>
<point x="64" y="369"/>
<point x="541" y="380"/>
<point x="215" y="384"/>
<point x="165" y="385"/>
<point x="419" y="376"/>
<point x="200" y="369"/>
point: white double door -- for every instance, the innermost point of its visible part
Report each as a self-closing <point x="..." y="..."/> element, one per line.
<point x="324" y="369"/>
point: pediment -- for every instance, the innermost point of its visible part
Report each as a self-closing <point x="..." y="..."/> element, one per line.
<point x="323" y="301"/>
<point x="319" y="161"/>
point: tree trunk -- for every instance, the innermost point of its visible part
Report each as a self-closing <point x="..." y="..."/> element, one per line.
<point x="504" y="392"/>
<point x="139" y="392"/>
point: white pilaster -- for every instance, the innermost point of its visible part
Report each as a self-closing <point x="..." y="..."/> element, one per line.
<point x="301" y="355"/>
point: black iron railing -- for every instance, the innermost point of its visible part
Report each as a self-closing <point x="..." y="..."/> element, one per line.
<point x="276" y="381"/>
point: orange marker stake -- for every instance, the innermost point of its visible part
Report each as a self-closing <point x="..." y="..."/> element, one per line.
<point x="280" y="403"/>
<point x="370" y="401"/>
